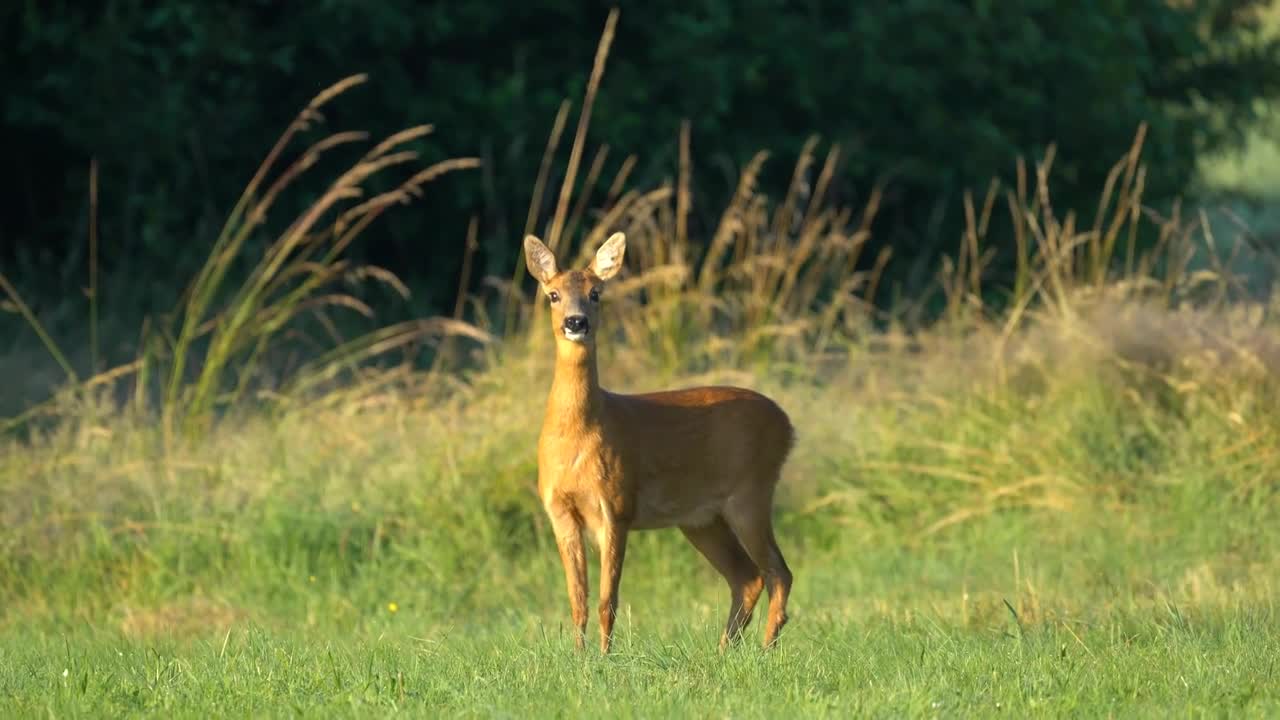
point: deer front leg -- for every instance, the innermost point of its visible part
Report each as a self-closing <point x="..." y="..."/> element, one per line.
<point x="569" y="541"/>
<point x="612" y="540"/>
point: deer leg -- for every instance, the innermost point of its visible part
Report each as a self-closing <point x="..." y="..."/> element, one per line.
<point x="612" y="539"/>
<point x="568" y="532"/>
<point x="721" y="548"/>
<point x="752" y="524"/>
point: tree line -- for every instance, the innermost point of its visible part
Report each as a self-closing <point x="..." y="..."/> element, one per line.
<point x="178" y="101"/>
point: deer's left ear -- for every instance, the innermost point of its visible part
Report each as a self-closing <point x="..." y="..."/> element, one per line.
<point x="609" y="257"/>
<point x="539" y="259"/>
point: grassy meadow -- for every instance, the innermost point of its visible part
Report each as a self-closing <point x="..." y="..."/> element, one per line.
<point x="1063" y="505"/>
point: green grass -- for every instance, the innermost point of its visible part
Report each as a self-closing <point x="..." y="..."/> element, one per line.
<point x="1078" y="542"/>
<point x="511" y="669"/>
<point x="1123" y="613"/>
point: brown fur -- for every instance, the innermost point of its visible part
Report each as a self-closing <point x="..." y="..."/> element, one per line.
<point x="703" y="459"/>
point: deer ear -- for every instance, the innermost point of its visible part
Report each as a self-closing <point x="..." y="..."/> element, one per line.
<point x="609" y="257"/>
<point x="540" y="260"/>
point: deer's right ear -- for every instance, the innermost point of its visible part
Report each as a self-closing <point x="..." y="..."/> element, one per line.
<point x="609" y="257"/>
<point x="540" y="260"/>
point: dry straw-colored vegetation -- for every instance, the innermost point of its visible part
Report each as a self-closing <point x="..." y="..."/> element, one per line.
<point x="940" y="410"/>
<point x="777" y="290"/>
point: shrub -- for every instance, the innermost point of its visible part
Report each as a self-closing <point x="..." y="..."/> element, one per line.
<point x="929" y="96"/>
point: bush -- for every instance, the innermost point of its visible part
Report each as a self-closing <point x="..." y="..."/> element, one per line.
<point x="177" y="99"/>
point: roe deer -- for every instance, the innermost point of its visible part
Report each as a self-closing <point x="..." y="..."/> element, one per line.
<point x="703" y="459"/>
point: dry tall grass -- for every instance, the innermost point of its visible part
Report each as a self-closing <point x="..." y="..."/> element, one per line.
<point x="208" y="355"/>
<point x="778" y="295"/>
<point x="1096" y="347"/>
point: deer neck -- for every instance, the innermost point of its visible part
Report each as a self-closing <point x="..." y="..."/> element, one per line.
<point x="575" y="389"/>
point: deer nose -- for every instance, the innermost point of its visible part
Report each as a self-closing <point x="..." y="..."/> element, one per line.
<point x="576" y="323"/>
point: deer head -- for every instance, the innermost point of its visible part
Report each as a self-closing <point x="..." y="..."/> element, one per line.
<point x="574" y="294"/>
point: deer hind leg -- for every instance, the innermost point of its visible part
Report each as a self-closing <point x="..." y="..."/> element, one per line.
<point x="568" y="530"/>
<point x="750" y="520"/>
<point x="721" y="548"/>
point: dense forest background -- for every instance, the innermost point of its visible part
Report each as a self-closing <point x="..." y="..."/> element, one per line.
<point x="178" y="101"/>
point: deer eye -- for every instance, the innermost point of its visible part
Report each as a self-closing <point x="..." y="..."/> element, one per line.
<point x="595" y="295"/>
<point x="555" y="296"/>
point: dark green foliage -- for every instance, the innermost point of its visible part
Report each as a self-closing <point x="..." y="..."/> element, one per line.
<point x="180" y="99"/>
